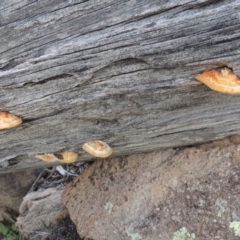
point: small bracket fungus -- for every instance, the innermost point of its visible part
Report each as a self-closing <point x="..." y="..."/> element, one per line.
<point x="221" y="80"/>
<point x="47" y="157"/>
<point x="7" y="120"/>
<point x="65" y="157"/>
<point x="97" y="149"/>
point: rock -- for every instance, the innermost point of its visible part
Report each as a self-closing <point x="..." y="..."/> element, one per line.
<point x="39" y="210"/>
<point x="190" y="193"/>
<point x="13" y="187"/>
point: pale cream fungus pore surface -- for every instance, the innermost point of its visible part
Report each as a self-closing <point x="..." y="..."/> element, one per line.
<point x="97" y="145"/>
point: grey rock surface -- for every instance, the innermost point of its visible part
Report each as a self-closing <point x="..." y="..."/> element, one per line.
<point x="190" y="193"/>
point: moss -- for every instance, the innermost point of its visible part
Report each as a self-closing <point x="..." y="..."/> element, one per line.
<point x="236" y="227"/>
<point x="183" y="234"/>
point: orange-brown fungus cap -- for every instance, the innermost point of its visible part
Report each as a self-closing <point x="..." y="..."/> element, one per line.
<point x="7" y="120"/>
<point x="47" y="157"/>
<point x="67" y="157"/>
<point x="98" y="149"/>
<point x="221" y="80"/>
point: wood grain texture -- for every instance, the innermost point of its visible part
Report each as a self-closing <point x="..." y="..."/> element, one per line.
<point x="117" y="71"/>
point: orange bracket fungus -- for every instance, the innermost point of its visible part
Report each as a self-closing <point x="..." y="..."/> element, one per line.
<point x="47" y="157"/>
<point x="98" y="149"/>
<point x="221" y="80"/>
<point x="65" y="157"/>
<point x="7" y="120"/>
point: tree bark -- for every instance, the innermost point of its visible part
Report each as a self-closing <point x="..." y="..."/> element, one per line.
<point x="117" y="71"/>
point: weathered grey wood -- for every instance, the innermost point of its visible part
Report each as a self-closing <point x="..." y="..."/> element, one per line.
<point x="118" y="71"/>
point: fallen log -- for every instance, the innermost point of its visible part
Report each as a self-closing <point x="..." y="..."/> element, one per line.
<point x="117" y="71"/>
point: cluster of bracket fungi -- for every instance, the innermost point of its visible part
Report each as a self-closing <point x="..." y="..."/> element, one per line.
<point x="220" y="80"/>
<point x="95" y="148"/>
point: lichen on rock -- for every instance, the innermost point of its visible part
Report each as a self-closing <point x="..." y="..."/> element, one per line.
<point x="183" y="234"/>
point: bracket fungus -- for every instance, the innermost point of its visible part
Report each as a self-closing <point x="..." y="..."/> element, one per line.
<point x="47" y="157"/>
<point x="8" y="120"/>
<point x="221" y="80"/>
<point x="97" y="149"/>
<point x="65" y="157"/>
